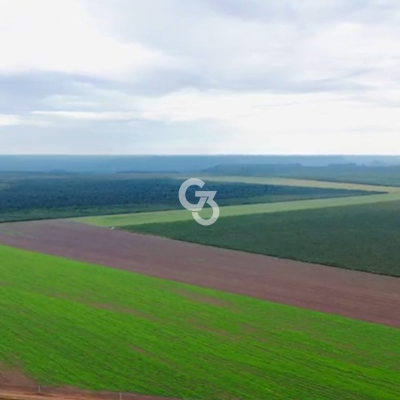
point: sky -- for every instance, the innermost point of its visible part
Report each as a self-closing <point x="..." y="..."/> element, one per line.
<point x="199" y="77"/>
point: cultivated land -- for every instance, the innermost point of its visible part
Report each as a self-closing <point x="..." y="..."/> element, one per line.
<point x="353" y="294"/>
<point x="129" y="332"/>
<point x="364" y="237"/>
<point x="87" y="326"/>
<point x="230" y="211"/>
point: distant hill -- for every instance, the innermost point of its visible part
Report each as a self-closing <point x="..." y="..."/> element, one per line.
<point x="111" y="164"/>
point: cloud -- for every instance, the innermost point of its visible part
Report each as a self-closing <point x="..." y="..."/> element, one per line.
<point x="216" y="76"/>
<point x="62" y="37"/>
<point x="6" y="120"/>
<point x="258" y="45"/>
<point x="88" y="116"/>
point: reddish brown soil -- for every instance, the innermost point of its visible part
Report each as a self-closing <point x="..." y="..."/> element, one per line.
<point x="15" y="385"/>
<point x="15" y="393"/>
<point x="349" y="293"/>
<point x="13" y="377"/>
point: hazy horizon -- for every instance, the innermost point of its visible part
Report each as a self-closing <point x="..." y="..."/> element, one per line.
<point x="198" y="155"/>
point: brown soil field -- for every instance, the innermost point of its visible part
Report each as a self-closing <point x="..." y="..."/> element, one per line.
<point x="352" y="294"/>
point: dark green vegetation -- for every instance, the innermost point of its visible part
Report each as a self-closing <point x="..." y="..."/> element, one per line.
<point x="42" y="196"/>
<point x="375" y="175"/>
<point x="64" y="322"/>
<point x="364" y="237"/>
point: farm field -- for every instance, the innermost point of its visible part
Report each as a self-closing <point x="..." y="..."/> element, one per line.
<point x="123" y="220"/>
<point x="352" y="294"/>
<point x="123" y="331"/>
<point x="363" y="237"/>
<point x="205" y="322"/>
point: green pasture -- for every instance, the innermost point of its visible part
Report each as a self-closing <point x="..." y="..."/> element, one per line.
<point x="80" y="325"/>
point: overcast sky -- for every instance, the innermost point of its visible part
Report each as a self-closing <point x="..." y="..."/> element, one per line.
<point x="199" y="76"/>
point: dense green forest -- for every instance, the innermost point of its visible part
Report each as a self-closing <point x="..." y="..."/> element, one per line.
<point x="36" y="196"/>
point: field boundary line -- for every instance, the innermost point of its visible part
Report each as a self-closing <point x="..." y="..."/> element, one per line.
<point x="53" y="391"/>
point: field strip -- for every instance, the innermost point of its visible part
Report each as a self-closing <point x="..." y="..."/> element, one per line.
<point x="230" y="211"/>
<point x="359" y="295"/>
<point x="300" y="183"/>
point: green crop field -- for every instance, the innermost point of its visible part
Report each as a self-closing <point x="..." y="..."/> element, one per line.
<point x="122" y="220"/>
<point x="75" y="324"/>
<point x="364" y="237"/>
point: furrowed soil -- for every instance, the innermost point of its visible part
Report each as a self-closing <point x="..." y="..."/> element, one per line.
<point x="352" y="294"/>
